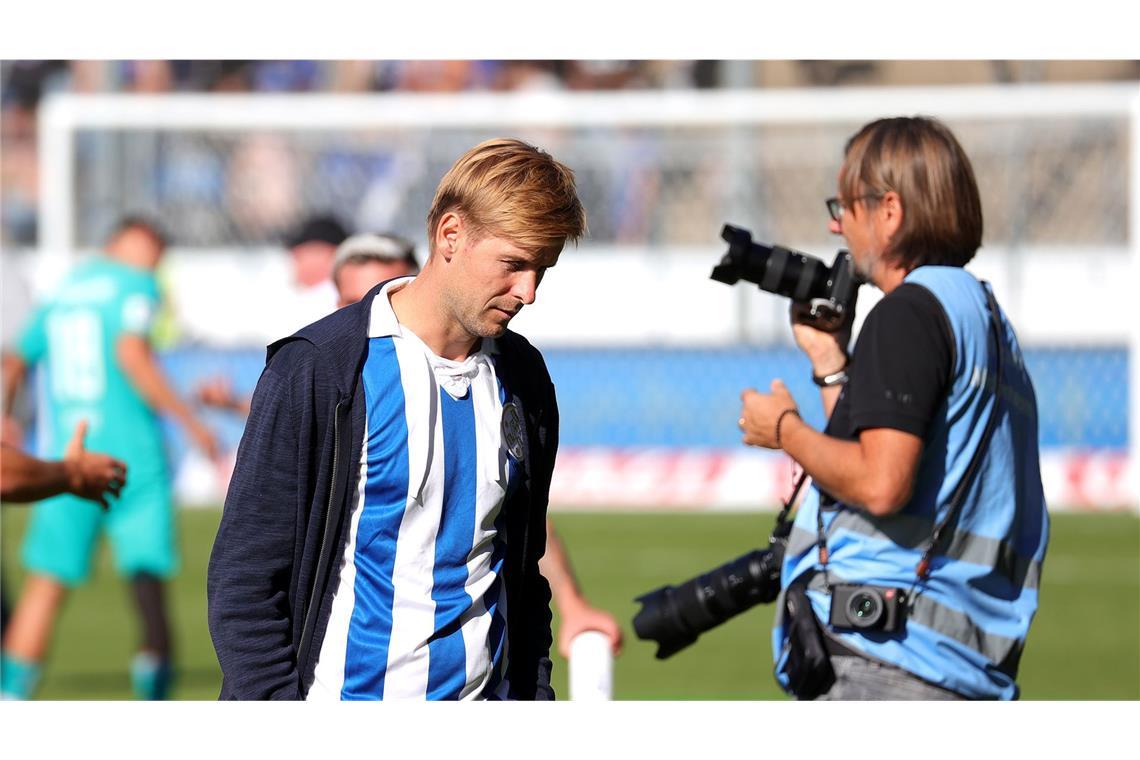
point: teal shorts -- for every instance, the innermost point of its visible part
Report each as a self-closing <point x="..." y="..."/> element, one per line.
<point x="64" y="533"/>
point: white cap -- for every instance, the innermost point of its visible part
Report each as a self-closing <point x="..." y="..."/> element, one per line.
<point x="387" y="247"/>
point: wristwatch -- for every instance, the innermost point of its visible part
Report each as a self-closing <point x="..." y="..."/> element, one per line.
<point x="835" y="378"/>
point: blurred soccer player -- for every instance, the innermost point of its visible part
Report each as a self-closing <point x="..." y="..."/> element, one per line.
<point x="92" y="338"/>
<point x="362" y="262"/>
<point x="386" y="515"/>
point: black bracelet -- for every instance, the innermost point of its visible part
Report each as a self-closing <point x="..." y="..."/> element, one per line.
<point x="835" y="378"/>
<point x="789" y="410"/>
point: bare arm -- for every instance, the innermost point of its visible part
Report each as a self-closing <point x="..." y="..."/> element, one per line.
<point x="216" y="392"/>
<point x="84" y="473"/>
<point x="14" y="371"/>
<point x="876" y="472"/>
<point x="575" y="612"/>
<point x="25" y="478"/>
<point x="826" y="351"/>
<point x="144" y="373"/>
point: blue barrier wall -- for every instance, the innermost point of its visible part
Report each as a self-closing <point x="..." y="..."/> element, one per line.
<point x="691" y="397"/>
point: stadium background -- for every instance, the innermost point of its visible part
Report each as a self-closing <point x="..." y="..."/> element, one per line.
<point x="648" y="356"/>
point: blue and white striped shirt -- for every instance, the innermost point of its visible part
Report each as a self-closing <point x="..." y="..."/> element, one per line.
<point x="419" y="610"/>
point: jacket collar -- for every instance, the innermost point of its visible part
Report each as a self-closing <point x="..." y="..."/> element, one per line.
<point x="382" y="322"/>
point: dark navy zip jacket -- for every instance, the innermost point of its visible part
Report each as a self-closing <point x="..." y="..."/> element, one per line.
<point x="285" y="523"/>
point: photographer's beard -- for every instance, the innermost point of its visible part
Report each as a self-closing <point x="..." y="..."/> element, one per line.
<point x="867" y="264"/>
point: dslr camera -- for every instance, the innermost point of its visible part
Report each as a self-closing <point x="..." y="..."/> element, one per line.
<point x="828" y="292"/>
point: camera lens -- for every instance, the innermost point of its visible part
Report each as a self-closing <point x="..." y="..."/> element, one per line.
<point x="674" y="616"/>
<point x="864" y="609"/>
<point x="774" y="268"/>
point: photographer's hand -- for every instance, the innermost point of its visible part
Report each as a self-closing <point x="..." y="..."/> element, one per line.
<point x="827" y="351"/>
<point x="762" y="415"/>
<point x="876" y="472"/>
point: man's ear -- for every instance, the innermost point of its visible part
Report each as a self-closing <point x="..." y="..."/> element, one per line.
<point x="447" y="235"/>
<point x="890" y="212"/>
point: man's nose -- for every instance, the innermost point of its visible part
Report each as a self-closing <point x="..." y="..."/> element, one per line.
<point x="525" y="287"/>
<point x="834" y="227"/>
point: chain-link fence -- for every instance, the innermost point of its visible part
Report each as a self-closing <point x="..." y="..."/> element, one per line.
<point x="1060" y="181"/>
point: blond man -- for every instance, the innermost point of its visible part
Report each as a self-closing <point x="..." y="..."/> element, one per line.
<point x="384" y="523"/>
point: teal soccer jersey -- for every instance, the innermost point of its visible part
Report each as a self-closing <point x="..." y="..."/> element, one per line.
<point x="72" y="337"/>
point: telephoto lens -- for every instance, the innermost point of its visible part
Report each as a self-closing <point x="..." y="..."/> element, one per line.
<point x="674" y="616"/>
<point x="774" y="268"/>
<point x="830" y="292"/>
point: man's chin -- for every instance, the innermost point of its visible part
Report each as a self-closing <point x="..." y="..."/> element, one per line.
<point x="488" y="329"/>
<point x="497" y="324"/>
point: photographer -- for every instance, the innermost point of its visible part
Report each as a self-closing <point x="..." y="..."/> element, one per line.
<point x="919" y="547"/>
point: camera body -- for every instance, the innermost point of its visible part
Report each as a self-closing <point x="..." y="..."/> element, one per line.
<point x="867" y="608"/>
<point x="828" y="292"/>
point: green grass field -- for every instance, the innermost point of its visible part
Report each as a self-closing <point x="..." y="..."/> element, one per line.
<point x="1085" y="643"/>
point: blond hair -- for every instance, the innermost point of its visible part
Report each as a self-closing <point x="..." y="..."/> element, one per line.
<point x="507" y="188"/>
<point x="922" y="161"/>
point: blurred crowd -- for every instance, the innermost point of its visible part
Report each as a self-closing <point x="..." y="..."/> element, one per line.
<point x="26" y="83"/>
<point x="264" y="183"/>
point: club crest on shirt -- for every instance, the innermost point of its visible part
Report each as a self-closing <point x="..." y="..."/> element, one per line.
<point x="514" y="430"/>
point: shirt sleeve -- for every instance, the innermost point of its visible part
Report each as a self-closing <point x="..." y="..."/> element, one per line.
<point x="902" y="363"/>
<point x="140" y="306"/>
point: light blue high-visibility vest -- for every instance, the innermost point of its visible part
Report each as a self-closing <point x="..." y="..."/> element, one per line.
<point x="968" y="622"/>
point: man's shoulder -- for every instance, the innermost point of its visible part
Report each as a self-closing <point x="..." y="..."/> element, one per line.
<point x="334" y="342"/>
<point x="517" y="350"/>
<point x="908" y="301"/>
<point x="511" y="342"/>
<point x="127" y="279"/>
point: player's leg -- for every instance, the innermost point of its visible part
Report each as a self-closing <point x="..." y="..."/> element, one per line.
<point x="141" y="530"/>
<point x="151" y="666"/>
<point x="57" y="554"/>
<point x="28" y="635"/>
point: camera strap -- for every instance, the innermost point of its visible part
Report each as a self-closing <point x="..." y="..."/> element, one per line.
<point x="922" y="570"/>
<point x="783" y="526"/>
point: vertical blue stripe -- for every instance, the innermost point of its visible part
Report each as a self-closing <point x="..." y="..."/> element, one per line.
<point x="385" y="497"/>
<point x="447" y="668"/>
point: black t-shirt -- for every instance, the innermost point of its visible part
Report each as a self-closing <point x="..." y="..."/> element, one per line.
<point x="900" y="368"/>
